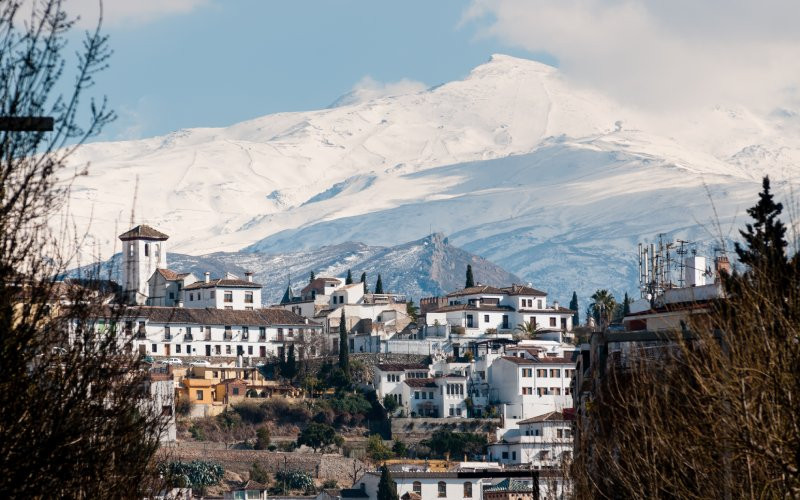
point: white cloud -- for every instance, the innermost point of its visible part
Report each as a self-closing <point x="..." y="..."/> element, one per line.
<point x="118" y="13"/>
<point x="661" y="54"/>
<point x="368" y="88"/>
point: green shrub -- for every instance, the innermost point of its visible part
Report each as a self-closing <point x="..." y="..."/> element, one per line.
<point x="376" y="450"/>
<point x="262" y="438"/>
<point x="183" y="407"/>
<point x="195" y="474"/>
<point x="390" y="403"/>
<point x="330" y="484"/>
<point x="197" y="433"/>
<point x="259" y="474"/>
<point x="295" y="479"/>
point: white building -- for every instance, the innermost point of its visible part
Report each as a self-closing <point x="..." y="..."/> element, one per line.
<point x="526" y="386"/>
<point x="161" y="387"/>
<point x="541" y="441"/>
<point x="211" y="333"/>
<point x="388" y="378"/>
<point x="229" y="292"/>
<point x="143" y="251"/>
<point x="166" y="287"/>
<point x="481" y="312"/>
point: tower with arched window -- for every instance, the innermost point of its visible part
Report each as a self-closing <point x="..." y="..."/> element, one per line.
<point x="143" y="251"/>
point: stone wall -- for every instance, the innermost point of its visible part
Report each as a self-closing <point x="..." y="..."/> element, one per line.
<point x="321" y="466"/>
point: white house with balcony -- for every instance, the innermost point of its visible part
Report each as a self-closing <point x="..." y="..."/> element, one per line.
<point x="525" y="387"/>
<point x="229" y="293"/>
<point x="220" y="333"/>
<point x="541" y="441"/>
<point x="166" y="287"/>
<point x="484" y="311"/>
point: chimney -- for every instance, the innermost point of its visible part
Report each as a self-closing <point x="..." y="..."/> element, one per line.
<point x="208" y="276"/>
<point x="555" y="304"/>
<point x="722" y="264"/>
<point x="249" y="276"/>
<point x="180" y="303"/>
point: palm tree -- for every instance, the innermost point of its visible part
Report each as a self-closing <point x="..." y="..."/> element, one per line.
<point x="527" y="329"/>
<point x="603" y="306"/>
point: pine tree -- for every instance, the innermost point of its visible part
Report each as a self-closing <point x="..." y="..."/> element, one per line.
<point x="626" y="305"/>
<point x="311" y="277"/>
<point x="573" y="304"/>
<point x="344" y="352"/>
<point x="379" y="285"/>
<point x="387" y="488"/>
<point x="764" y="251"/>
<point x="470" y="280"/>
<point x="349" y="279"/>
<point x="364" y="281"/>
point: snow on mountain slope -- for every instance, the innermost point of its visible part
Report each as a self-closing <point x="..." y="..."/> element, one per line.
<point x="555" y="183"/>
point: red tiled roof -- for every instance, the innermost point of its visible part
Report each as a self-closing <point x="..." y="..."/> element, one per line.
<point x="319" y="283"/>
<point x="420" y="382"/>
<point x="518" y="360"/>
<point x="143" y="232"/>
<point x="223" y="282"/>
<point x="552" y="416"/>
<point x="256" y="317"/>
<point x="523" y="290"/>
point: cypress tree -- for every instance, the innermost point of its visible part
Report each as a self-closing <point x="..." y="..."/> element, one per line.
<point x="349" y="279"/>
<point x="626" y="305"/>
<point x="291" y="364"/>
<point x="470" y="280"/>
<point x="364" y="281"/>
<point x="573" y="304"/>
<point x="387" y="488"/>
<point x="765" y="249"/>
<point x="344" y="352"/>
<point x="311" y="277"/>
<point x="379" y="285"/>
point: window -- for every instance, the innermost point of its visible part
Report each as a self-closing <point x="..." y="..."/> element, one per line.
<point x="228" y="332"/>
<point x="442" y="489"/>
<point x="228" y="349"/>
<point x="146" y="249"/>
<point x="527" y="372"/>
<point x="566" y="391"/>
<point x="539" y="304"/>
<point x="217" y="350"/>
<point x="262" y="333"/>
<point x="130" y="250"/>
<point x="425" y="395"/>
<point x="505" y="321"/>
<point x="191" y="297"/>
<point x="188" y="348"/>
<point x="228" y="296"/>
<point x="154" y="348"/>
<point x="541" y="391"/>
<point x="245" y="332"/>
<point x="468" y="490"/>
<point x="177" y="348"/>
<point x="417" y="488"/>
<point x="469" y="321"/>
<point x="552" y="321"/>
<point x="172" y="295"/>
<point x="199" y="395"/>
<point x="430" y="394"/>
<point x="555" y="391"/>
<point x="485" y="320"/>
<point x="555" y="372"/>
<point x="505" y="455"/>
<point x="250" y="350"/>
<point x="559" y="433"/>
<point x="541" y="373"/>
<point x="248" y="297"/>
<point x="527" y="390"/>
<point x="514" y="455"/>
<point x="212" y="294"/>
<point x="416" y="394"/>
<point x="167" y="333"/>
<point x="235" y="391"/>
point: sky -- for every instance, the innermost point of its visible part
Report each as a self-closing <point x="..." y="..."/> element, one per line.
<point x="211" y="63"/>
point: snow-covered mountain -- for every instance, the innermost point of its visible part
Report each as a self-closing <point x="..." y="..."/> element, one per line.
<point x="423" y="268"/>
<point x="555" y="183"/>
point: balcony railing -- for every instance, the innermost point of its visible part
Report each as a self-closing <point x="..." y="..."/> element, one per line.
<point x="167" y="336"/>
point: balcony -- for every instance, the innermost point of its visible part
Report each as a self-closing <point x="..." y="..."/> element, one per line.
<point x="188" y="337"/>
<point x="228" y="335"/>
<point x="262" y="337"/>
<point x="167" y="336"/>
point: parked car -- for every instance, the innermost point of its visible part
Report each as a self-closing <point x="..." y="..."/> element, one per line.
<point x="171" y="361"/>
<point x="200" y="362"/>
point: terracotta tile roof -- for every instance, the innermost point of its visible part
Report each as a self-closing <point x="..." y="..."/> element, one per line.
<point x="319" y="283"/>
<point x="399" y="367"/>
<point x="551" y="310"/>
<point x="553" y="416"/>
<point x="510" y="485"/>
<point x="476" y="290"/>
<point x="171" y="275"/>
<point x="523" y="290"/>
<point x="518" y="360"/>
<point x="470" y="307"/>
<point x="208" y="316"/>
<point x="143" y="232"/>
<point x="420" y="382"/>
<point x="223" y="282"/>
